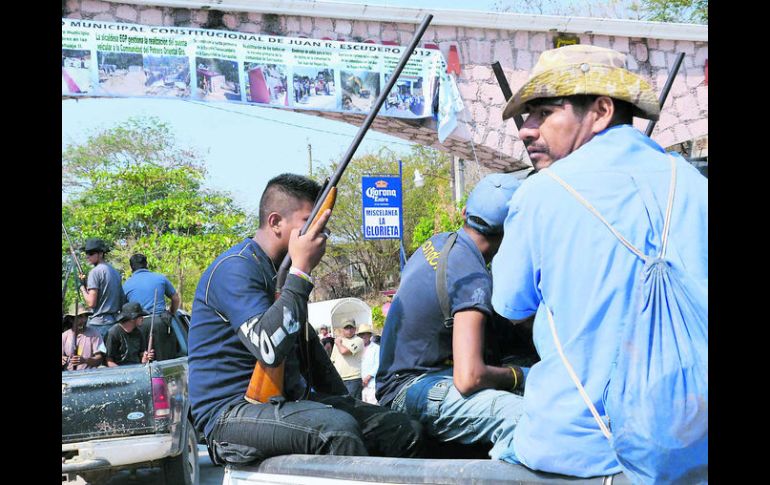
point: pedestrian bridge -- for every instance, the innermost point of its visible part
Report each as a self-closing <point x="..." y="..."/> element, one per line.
<point x="471" y="42"/>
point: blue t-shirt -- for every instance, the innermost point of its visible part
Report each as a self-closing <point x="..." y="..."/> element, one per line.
<point x="141" y="286"/>
<point x="415" y="339"/>
<point x="556" y="252"/>
<point x="237" y="288"/>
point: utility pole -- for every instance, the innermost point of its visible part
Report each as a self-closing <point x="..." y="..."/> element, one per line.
<point x="309" y="159"/>
<point x="458" y="177"/>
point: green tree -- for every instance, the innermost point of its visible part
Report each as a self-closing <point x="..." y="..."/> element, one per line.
<point x="132" y="186"/>
<point x="685" y="11"/>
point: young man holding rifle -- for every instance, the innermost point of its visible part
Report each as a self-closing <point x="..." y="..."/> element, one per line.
<point x="237" y="323"/>
<point x="101" y="290"/>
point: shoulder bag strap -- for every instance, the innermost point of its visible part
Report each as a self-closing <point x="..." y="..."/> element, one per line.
<point x="441" y="283"/>
<point x="664" y="242"/>
<point x="623" y="240"/>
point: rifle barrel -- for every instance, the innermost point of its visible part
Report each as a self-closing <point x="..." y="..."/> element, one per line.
<point x="506" y="89"/>
<point x="666" y="88"/>
<point x="72" y="250"/>
<point x="335" y="178"/>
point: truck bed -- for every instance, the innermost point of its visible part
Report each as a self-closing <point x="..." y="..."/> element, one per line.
<point x="320" y="470"/>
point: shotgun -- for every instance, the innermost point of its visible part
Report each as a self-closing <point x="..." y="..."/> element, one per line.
<point x="267" y="382"/>
<point x="64" y="287"/>
<point x="74" y="255"/>
<point x="666" y="88"/>
<point x="152" y="321"/>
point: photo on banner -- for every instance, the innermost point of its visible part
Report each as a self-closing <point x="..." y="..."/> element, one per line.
<point x="131" y="60"/>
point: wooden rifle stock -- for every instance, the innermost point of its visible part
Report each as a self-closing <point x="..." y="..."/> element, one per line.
<point x="267" y="382"/>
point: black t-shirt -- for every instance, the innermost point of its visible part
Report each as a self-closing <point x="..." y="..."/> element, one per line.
<point x="125" y="347"/>
<point x="415" y="339"/>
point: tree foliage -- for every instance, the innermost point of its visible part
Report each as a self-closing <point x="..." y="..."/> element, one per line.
<point x="682" y="11"/>
<point x="132" y="186"/>
<point x="427" y="210"/>
<point x="686" y="11"/>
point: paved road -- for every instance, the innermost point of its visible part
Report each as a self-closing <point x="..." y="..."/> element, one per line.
<point x="210" y="474"/>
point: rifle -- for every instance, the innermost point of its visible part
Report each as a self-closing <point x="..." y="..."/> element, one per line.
<point x="666" y="88"/>
<point x="64" y="286"/>
<point x="74" y="255"/>
<point x="74" y="330"/>
<point x="152" y="321"/>
<point x="267" y="382"/>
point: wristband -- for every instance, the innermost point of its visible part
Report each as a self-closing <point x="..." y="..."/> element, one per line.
<point x="301" y="274"/>
<point x="515" y="378"/>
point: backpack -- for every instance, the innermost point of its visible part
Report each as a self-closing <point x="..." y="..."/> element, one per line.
<point x="657" y="395"/>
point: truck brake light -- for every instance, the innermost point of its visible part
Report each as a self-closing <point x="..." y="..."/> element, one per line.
<point x="160" y="398"/>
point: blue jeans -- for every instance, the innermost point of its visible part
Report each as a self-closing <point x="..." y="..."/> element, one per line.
<point x="103" y="330"/>
<point x="487" y="416"/>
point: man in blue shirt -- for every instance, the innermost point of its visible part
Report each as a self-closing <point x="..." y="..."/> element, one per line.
<point x="237" y="321"/>
<point x="432" y="358"/>
<point x="556" y="254"/>
<point x="142" y="287"/>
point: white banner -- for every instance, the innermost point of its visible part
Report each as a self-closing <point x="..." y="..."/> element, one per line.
<point x="130" y="60"/>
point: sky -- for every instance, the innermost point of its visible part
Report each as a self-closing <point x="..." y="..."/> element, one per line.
<point x="244" y="145"/>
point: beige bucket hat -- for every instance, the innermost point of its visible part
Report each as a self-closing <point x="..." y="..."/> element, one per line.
<point x="585" y="69"/>
<point x="364" y="328"/>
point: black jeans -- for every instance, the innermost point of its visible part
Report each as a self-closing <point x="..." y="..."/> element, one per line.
<point x="328" y="425"/>
<point x="163" y="339"/>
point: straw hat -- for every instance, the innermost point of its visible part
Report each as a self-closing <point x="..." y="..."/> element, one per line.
<point x="585" y="69"/>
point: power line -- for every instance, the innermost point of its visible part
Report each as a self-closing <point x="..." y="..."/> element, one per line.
<point x="207" y="105"/>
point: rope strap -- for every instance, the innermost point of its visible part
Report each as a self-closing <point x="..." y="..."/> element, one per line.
<point x="573" y="375"/>
<point x="623" y="240"/>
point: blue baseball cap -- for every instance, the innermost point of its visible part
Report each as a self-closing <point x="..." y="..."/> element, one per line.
<point x="487" y="205"/>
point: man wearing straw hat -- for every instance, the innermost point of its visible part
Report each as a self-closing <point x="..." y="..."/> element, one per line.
<point x="558" y="255"/>
<point x="89" y="350"/>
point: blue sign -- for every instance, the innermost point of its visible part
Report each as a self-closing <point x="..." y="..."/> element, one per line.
<point x="382" y="207"/>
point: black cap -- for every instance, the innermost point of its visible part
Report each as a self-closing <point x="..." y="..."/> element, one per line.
<point x="95" y="244"/>
<point x="130" y="311"/>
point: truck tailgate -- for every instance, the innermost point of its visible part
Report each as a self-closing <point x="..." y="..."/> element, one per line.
<point x="106" y="402"/>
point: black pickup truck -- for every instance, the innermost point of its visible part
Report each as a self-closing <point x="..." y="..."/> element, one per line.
<point x="128" y="417"/>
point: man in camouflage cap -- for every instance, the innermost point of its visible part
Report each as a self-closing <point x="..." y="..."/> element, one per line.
<point x="558" y="254"/>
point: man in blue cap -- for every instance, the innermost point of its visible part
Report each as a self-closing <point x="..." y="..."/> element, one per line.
<point x="440" y="326"/>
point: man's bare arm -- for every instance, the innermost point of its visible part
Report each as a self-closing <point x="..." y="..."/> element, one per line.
<point x="471" y="374"/>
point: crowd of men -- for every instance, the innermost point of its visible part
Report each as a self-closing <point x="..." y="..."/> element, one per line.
<point x="468" y="355"/>
<point x="110" y="330"/>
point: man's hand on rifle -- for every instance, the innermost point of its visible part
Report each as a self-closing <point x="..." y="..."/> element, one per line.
<point x="148" y="356"/>
<point x="76" y="360"/>
<point x="64" y="360"/>
<point x="83" y="280"/>
<point x="307" y="250"/>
